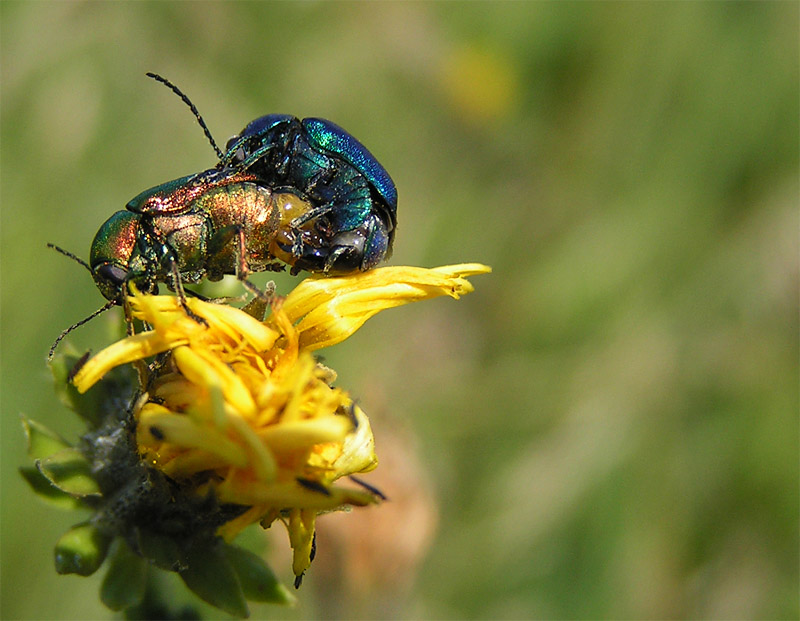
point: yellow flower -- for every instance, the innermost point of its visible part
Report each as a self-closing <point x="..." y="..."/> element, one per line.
<point x="242" y="409"/>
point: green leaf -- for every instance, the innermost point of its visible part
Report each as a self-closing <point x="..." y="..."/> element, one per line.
<point x="81" y="550"/>
<point x="46" y="490"/>
<point x="160" y="550"/>
<point x="70" y="472"/>
<point x="41" y="441"/>
<point x="126" y="579"/>
<point x="212" y="578"/>
<point x="259" y="583"/>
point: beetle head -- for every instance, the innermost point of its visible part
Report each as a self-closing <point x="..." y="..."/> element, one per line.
<point x="111" y="253"/>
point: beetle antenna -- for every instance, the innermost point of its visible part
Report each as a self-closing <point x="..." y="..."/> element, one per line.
<point x="67" y="253"/>
<point x="192" y="107"/>
<point x="61" y="336"/>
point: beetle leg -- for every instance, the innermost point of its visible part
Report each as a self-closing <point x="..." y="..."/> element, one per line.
<point x="177" y="285"/>
<point x="219" y="242"/>
<point x="283" y="166"/>
<point x="261" y="295"/>
<point x="126" y="309"/>
<point x="242" y="269"/>
<point x="248" y="157"/>
<point x="289" y="148"/>
<point x="335" y="253"/>
<point x="323" y="176"/>
<point x="140" y="366"/>
<point x="311" y="214"/>
<point x="194" y="294"/>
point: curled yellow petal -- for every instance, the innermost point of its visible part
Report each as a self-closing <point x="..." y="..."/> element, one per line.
<point x="358" y="449"/>
<point x="136" y="347"/>
<point x="328" y="310"/>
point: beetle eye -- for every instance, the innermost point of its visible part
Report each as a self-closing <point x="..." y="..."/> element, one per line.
<point x="231" y="142"/>
<point x="112" y="273"/>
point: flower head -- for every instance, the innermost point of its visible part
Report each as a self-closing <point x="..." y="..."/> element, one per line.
<point x="239" y="410"/>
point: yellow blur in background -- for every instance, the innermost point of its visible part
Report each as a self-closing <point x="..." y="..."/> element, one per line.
<point x="608" y="426"/>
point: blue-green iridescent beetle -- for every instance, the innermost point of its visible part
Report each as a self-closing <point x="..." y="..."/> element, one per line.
<point x="303" y="192"/>
<point x="352" y="221"/>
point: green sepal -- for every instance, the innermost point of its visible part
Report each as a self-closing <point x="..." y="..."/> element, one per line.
<point x="100" y="400"/>
<point x="259" y="583"/>
<point x="41" y="441"/>
<point x="126" y="579"/>
<point x="166" y="597"/>
<point x="47" y="491"/>
<point x="211" y="577"/>
<point x="61" y="366"/>
<point x="70" y="472"/>
<point x="81" y="550"/>
<point x="161" y="550"/>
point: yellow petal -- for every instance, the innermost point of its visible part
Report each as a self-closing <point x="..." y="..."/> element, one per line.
<point x="230" y="530"/>
<point x="302" y="373"/>
<point x="182" y="431"/>
<point x="262" y="461"/>
<point x="301" y="537"/>
<point x="358" y="451"/>
<point x="239" y="323"/>
<point x="188" y="463"/>
<point x="132" y="348"/>
<point x="303" y="434"/>
<point x="236" y="490"/>
<point x="165" y="315"/>
<point x="206" y="370"/>
<point x="462" y="270"/>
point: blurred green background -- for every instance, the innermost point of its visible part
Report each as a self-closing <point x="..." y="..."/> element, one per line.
<point x="608" y="426"/>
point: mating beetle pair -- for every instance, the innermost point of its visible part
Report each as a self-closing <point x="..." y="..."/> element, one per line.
<point x="303" y="192"/>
